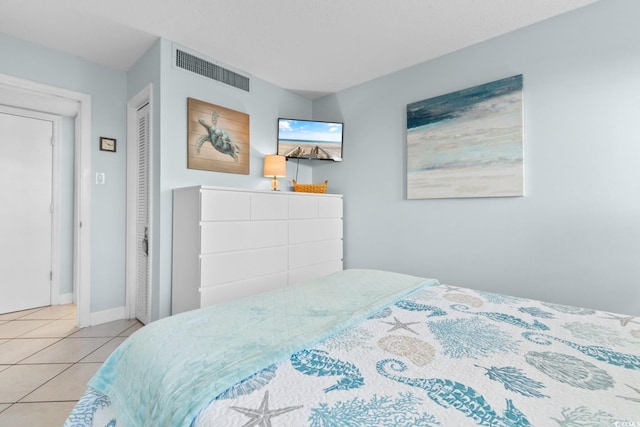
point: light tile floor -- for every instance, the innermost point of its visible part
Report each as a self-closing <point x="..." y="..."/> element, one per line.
<point x="46" y="361"/>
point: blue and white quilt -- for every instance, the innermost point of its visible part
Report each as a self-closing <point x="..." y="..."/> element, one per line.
<point x="434" y="355"/>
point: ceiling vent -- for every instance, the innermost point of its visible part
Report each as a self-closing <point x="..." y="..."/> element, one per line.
<point x="197" y="65"/>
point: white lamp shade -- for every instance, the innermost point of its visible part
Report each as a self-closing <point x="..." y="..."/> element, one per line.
<point x="275" y="166"/>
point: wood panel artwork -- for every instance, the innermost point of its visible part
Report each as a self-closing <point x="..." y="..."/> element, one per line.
<point x="217" y="138"/>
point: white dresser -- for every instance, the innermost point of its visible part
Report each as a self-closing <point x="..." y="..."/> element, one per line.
<point x="229" y="243"/>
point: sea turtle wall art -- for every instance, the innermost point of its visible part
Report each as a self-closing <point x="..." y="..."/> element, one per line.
<point x="217" y="138"/>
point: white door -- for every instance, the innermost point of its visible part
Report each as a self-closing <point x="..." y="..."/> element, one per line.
<point x="26" y="162"/>
<point x="143" y="245"/>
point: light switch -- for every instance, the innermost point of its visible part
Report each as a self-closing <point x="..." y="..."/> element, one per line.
<point x="101" y="178"/>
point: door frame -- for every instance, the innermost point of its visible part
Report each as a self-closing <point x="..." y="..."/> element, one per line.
<point x="82" y="184"/>
<point x="56" y="124"/>
<point x="135" y="103"/>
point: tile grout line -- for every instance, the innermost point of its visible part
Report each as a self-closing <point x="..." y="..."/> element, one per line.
<point x="120" y="334"/>
<point x="58" y="339"/>
<point x="18" y="363"/>
<point x="42" y="385"/>
<point x="19" y="337"/>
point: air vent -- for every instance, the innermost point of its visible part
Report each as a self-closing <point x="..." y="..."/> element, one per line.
<point x="192" y="63"/>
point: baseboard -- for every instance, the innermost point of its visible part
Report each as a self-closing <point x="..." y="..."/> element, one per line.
<point x="66" y="298"/>
<point x="105" y="316"/>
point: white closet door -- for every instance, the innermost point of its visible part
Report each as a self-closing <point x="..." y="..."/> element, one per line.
<point x="25" y="212"/>
<point x="143" y="233"/>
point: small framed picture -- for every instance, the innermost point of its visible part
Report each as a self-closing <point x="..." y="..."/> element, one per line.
<point x="107" y="144"/>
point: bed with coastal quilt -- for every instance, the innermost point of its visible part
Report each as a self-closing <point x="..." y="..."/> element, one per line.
<point x="372" y="348"/>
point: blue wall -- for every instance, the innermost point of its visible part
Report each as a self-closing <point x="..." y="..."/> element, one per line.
<point x="107" y="88"/>
<point x="172" y="86"/>
<point x="110" y="90"/>
<point x="575" y="237"/>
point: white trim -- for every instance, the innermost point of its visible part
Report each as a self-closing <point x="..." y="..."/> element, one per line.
<point x="82" y="188"/>
<point x="139" y="100"/>
<point x="66" y="299"/>
<point x="55" y="215"/>
<point x="99" y="317"/>
<point x="82" y="198"/>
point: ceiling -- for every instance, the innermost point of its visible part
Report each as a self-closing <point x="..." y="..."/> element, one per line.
<point x="312" y="47"/>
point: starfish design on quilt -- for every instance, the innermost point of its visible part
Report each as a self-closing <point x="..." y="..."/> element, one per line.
<point x="401" y="325"/>
<point x="449" y="288"/>
<point x="624" y="320"/>
<point x="632" y="399"/>
<point x="261" y="417"/>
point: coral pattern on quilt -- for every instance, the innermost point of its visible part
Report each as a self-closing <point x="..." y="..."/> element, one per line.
<point x="445" y="356"/>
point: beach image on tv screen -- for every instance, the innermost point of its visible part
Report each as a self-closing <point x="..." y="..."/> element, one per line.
<point x="310" y="139"/>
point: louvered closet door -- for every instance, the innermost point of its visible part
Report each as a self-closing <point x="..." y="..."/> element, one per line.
<point x="143" y="233"/>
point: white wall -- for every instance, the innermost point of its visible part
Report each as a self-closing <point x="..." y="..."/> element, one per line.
<point x="575" y="237"/>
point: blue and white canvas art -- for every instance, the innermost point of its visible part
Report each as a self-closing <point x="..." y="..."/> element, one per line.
<point x="467" y="143"/>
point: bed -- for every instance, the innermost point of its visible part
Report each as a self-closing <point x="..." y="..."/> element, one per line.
<point x="372" y="348"/>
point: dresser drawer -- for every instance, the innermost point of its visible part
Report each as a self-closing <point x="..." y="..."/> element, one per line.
<point x="314" y="230"/>
<point x="233" y="266"/>
<point x="243" y="288"/>
<point x="303" y="207"/>
<point x="225" y="206"/>
<point x="311" y="272"/>
<point x="314" y="253"/>
<point x="269" y="206"/>
<point x="330" y="207"/>
<point x="221" y="236"/>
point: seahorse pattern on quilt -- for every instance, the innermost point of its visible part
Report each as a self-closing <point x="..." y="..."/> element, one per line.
<point x="489" y="364"/>
<point x="481" y="367"/>
<point x="166" y="372"/>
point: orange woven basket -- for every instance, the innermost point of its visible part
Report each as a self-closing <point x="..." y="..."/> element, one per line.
<point x="310" y="188"/>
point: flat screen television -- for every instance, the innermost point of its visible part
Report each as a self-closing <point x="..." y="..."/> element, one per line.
<point x="310" y="139"/>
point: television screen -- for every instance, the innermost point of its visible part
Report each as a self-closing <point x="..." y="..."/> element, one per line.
<point x="310" y="139"/>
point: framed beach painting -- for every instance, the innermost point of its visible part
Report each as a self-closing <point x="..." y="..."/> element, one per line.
<point x="217" y="138"/>
<point x="467" y="143"/>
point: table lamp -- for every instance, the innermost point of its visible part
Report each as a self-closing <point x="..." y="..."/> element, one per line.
<point x="275" y="166"/>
